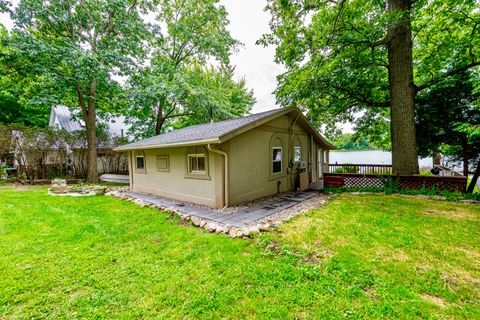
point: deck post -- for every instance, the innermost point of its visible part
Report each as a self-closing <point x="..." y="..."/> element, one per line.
<point x="322" y="167"/>
<point x="327" y="160"/>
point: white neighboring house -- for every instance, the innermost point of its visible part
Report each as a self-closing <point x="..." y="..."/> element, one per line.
<point x="62" y="117"/>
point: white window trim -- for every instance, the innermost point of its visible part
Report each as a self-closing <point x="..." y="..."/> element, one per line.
<point x="281" y="160"/>
<point x="197" y="155"/>
<point x="136" y="162"/>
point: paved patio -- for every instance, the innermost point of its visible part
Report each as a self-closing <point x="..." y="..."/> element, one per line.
<point x="242" y="217"/>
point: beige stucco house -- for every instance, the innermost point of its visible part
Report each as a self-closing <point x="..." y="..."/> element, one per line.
<point x="230" y="162"/>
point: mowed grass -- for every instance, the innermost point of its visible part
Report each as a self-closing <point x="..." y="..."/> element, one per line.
<point x="365" y="256"/>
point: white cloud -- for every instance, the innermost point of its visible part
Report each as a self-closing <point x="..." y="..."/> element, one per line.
<point x="248" y="22"/>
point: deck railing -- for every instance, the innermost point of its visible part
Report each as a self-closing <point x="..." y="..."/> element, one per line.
<point x="353" y="180"/>
<point x="375" y="169"/>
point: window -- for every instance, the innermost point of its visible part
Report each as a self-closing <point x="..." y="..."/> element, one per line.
<point x="163" y="164"/>
<point x="140" y="162"/>
<point x="277" y="160"/>
<point x="297" y="153"/>
<point x="196" y="164"/>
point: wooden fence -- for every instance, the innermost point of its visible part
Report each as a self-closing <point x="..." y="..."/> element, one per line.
<point x="353" y="180"/>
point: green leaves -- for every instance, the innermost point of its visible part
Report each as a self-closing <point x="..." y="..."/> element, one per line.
<point x="336" y="55"/>
<point x="178" y="86"/>
<point x="72" y="43"/>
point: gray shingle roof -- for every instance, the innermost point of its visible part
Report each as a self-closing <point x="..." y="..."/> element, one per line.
<point x="200" y="132"/>
<point x="218" y="132"/>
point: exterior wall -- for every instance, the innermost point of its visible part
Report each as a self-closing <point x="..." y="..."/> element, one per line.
<point x="250" y="160"/>
<point x="175" y="183"/>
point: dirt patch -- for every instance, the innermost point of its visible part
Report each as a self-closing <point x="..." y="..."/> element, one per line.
<point x="457" y="214"/>
<point x="79" y="292"/>
<point x="456" y="276"/>
<point x="310" y="258"/>
<point x="401" y="256"/>
<point x="370" y="292"/>
<point x="469" y="252"/>
<point x="434" y="299"/>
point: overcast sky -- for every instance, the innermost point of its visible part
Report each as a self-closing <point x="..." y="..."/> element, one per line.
<point x="248" y="21"/>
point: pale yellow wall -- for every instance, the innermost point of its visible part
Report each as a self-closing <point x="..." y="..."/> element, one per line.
<point x="174" y="184"/>
<point x="250" y="160"/>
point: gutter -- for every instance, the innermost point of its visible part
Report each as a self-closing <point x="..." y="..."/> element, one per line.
<point x="160" y="146"/>
<point x="225" y="174"/>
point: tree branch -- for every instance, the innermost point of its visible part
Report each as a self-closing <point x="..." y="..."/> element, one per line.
<point x="447" y="74"/>
<point x="335" y="22"/>
<point x="81" y="99"/>
<point x="361" y="98"/>
<point x="180" y="115"/>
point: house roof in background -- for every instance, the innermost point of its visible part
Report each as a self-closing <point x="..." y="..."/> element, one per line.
<point x="219" y="132"/>
<point x="66" y="120"/>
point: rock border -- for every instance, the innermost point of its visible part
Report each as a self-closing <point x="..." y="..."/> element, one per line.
<point x="262" y="225"/>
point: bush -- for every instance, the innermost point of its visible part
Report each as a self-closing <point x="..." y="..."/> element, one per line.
<point x="347" y="169"/>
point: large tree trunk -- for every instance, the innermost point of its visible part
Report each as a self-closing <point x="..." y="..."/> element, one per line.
<point x="402" y="90"/>
<point x="472" y="184"/>
<point x="90" y="124"/>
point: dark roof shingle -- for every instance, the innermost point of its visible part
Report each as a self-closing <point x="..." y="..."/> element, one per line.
<point x="200" y="132"/>
<point x="218" y="132"/>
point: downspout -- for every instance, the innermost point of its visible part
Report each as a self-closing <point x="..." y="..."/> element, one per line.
<point x="130" y="168"/>
<point x="311" y="160"/>
<point x="291" y="177"/>
<point x="225" y="173"/>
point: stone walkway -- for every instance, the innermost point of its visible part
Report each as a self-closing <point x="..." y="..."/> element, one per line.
<point x="243" y="217"/>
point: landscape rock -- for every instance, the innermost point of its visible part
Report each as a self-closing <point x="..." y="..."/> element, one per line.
<point x="196" y="221"/>
<point x="265" y="227"/>
<point x="252" y="229"/>
<point x="220" y="229"/>
<point x="234" y="233"/>
<point x="211" y="226"/>
<point x="99" y="190"/>
<point x="59" y="186"/>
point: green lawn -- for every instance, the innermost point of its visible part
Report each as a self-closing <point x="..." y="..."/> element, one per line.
<point x="368" y="256"/>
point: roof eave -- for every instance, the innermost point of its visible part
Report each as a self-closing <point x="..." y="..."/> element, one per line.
<point x="320" y="138"/>
<point x="322" y="141"/>
<point x="168" y="145"/>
